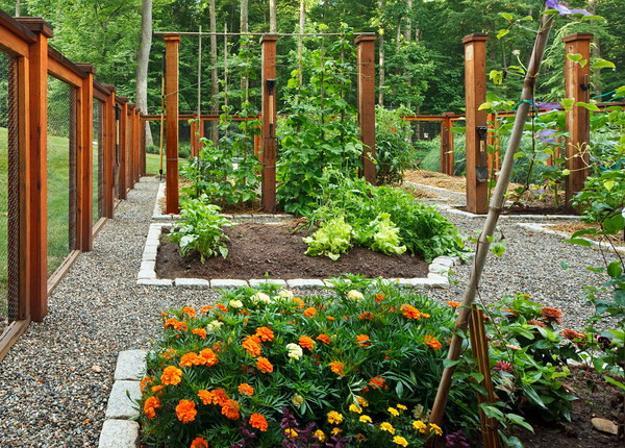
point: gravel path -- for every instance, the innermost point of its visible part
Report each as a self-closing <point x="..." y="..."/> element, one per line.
<point x="55" y="382"/>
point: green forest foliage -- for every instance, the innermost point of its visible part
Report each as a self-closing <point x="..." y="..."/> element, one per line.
<point x="424" y="70"/>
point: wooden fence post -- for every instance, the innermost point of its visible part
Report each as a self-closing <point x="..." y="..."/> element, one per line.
<point x="366" y="101"/>
<point x="447" y="146"/>
<point x="123" y="147"/>
<point x="108" y="168"/>
<point x="577" y="87"/>
<point x="85" y="160"/>
<point x="475" y="95"/>
<point x="37" y="196"/>
<point x="137" y="145"/>
<point x="172" y="44"/>
<point x="269" y="115"/>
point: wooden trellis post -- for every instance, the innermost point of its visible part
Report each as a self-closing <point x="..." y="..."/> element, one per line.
<point x="366" y="101"/>
<point x="447" y="145"/>
<point x="85" y="156"/>
<point x="172" y="45"/>
<point x="577" y="87"/>
<point x="130" y="158"/>
<point x="269" y="116"/>
<point x="475" y="95"/>
<point x="37" y="197"/>
<point x="109" y="153"/>
<point x="123" y="147"/>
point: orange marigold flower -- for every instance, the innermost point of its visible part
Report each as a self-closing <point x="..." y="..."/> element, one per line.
<point x="324" y="338"/>
<point x="222" y="307"/>
<point x="299" y="302"/>
<point x="306" y="342"/>
<point x="265" y="334"/>
<point x="199" y="442"/>
<point x="185" y="411"/>
<point x="246" y="389"/>
<point x="454" y="304"/>
<point x="206" y="308"/>
<point x="432" y="342"/>
<point x="331" y="318"/>
<point x="201" y="332"/>
<point x="252" y="345"/>
<point x="156" y="389"/>
<point x="264" y="365"/>
<point x="189" y="311"/>
<point x="220" y="396"/>
<point x="170" y="353"/>
<point x="145" y="381"/>
<point x="551" y="314"/>
<point x="208" y="357"/>
<point x="572" y="335"/>
<point x="310" y="312"/>
<point x="206" y="397"/>
<point x="258" y="421"/>
<point x="410" y="312"/>
<point x="377" y="382"/>
<point x="536" y="322"/>
<point x="230" y="410"/>
<point x="363" y="340"/>
<point x="337" y="367"/>
<point x="379" y="297"/>
<point x="175" y="324"/>
<point x="366" y="315"/>
<point x="190" y="359"/>
<point x="171" y="376"/>
<point x="150" y="406"/>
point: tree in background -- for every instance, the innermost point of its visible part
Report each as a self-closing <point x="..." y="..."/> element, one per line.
<point x="143" y="59"/>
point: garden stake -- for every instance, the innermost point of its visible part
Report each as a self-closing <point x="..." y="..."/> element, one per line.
<point x="479" y="345"/>
<point x="495" y="208"/>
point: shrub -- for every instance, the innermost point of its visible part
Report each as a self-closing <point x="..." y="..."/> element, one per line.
<point x="200" y="229"/>
<point x="394" y="151"/>
<point x="359" y="367"/>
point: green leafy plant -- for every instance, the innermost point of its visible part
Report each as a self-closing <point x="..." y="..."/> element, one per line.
<point x="200" y="229"/>
<point x="386" y="236"/>
<point x="332" y="239"/>
<point x="393" y="145"/>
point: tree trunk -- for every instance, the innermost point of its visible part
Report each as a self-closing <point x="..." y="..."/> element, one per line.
<point x="18" y="9"/>
<point x="143" y="59"/>
<point x="244" y="25"/>
<point x="214" y="76"/>
<point x="300" y="41"/>
<point x="408" y="28"/>
<point x="273" y="20"/>
<point x="381" y="71"/>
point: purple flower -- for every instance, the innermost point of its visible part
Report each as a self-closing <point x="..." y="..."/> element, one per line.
<point x="548" y="106"/>
<point x="563" y="9"/>
<point x="547" y="136"/>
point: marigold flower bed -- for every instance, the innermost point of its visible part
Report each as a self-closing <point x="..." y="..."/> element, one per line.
<point x="264" y="368"/>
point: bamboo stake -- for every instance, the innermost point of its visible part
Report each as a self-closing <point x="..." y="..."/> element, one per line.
<point x="495" y="208"/>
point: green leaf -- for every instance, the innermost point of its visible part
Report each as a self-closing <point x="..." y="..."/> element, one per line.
<point x="615" y="270"/>
<point x="600" y="63"/>
<point x="592" y="107"/>
<point x="609" y="184"/>
<point x="519" y="421"/>
<point x="491" y="411"/>
<point x="613" y="382"/>
<point x="580" y="242"/>
<point x="506" y="16"/>
<point x="577" y="59"/>
<point x="614" y="224"/>
<point x="485" y="106"/>
<point x="567" y="103"/>
<point x="502" y="33"/>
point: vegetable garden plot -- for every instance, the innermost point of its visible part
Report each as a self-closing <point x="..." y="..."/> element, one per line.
<point x="61" y="172"/>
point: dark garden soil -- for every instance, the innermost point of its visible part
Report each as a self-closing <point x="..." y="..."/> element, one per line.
<point x="596" y="399"/>
<point x="277" y="251"/>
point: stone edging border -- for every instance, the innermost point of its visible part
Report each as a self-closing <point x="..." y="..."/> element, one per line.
<point x="120" y="428"/>
<point x="453" y="210"/>
<point x="438" y="275"/>
<point x="544" y="228"/>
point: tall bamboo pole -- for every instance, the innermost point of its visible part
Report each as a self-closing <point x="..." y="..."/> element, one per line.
<point x="495" y="208"/>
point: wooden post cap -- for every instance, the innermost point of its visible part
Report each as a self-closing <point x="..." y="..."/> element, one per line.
<point x="475" y="37"/>
<point x="268" y="38"/>
<point x="87" y="68"/>
<point x="365" y="37"/>
<point x="578" y="36"/>
<point x="172" y="37"/>
<point x="36" y="25"/>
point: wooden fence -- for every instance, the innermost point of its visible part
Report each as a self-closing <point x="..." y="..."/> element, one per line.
<point x="120" y="162"/>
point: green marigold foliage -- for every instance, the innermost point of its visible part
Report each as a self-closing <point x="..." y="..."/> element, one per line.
<point x="359" y="367"/>
<point x="200" y="229"/>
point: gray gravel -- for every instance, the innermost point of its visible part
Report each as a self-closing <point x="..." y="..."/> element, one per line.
<point x="55" y="382"/>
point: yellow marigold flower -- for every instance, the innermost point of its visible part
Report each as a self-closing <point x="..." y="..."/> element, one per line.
<point x="319" y="435"/>
<point x="401" y="407"/>
<point x="336" y="431"/>
<point x="335" y="418"/>
<point x="418" y="425"/>
<point x="362" y="401"/>
<point x="386" y="426"/>
<point x="355" y="408"/>
<point x="290" y="433"/>
<point x="394" y="412"/>
<point x="365" y="419"/>
<point x="297" y="400"/>
<point x="399" y="440"/>
<point x="436" y="429"/>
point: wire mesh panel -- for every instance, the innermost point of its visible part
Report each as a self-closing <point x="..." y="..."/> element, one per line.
<point x="117" y="158"/>
<point x="98" y="156"/>
<point x="61" y="159"/>
<point x="9" y="194"/>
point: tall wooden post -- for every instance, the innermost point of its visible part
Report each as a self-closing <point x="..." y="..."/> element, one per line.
<point x="108" y="168"/>
<point x="447" y="148"/>
<point x="366" y="101"/>
<point x="577" y="87"/>
<point x="269" y="115"/>
<point x="37" y="219"/>
<point x="475" y="95"/>
<point x="123" y="147"/>
<point x="172" y="44"/>
<point x="85" y="156"/>
<point x="130" y="160"/>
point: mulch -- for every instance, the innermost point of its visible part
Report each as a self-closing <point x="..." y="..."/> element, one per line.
<point x="277" y="251"/>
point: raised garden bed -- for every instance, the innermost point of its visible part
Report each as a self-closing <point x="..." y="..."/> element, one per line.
<point x="277" y="251"/>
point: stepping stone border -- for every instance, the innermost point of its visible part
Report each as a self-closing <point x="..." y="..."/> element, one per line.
<point x="544" y="228"/>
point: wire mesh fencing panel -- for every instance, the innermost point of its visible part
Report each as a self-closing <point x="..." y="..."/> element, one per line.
<point x="61" y="160"/>
<point x="98" y="155"/>
<point x="9" y="194"/>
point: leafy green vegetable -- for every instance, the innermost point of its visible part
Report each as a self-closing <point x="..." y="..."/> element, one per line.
<point x="332" y="239"/>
